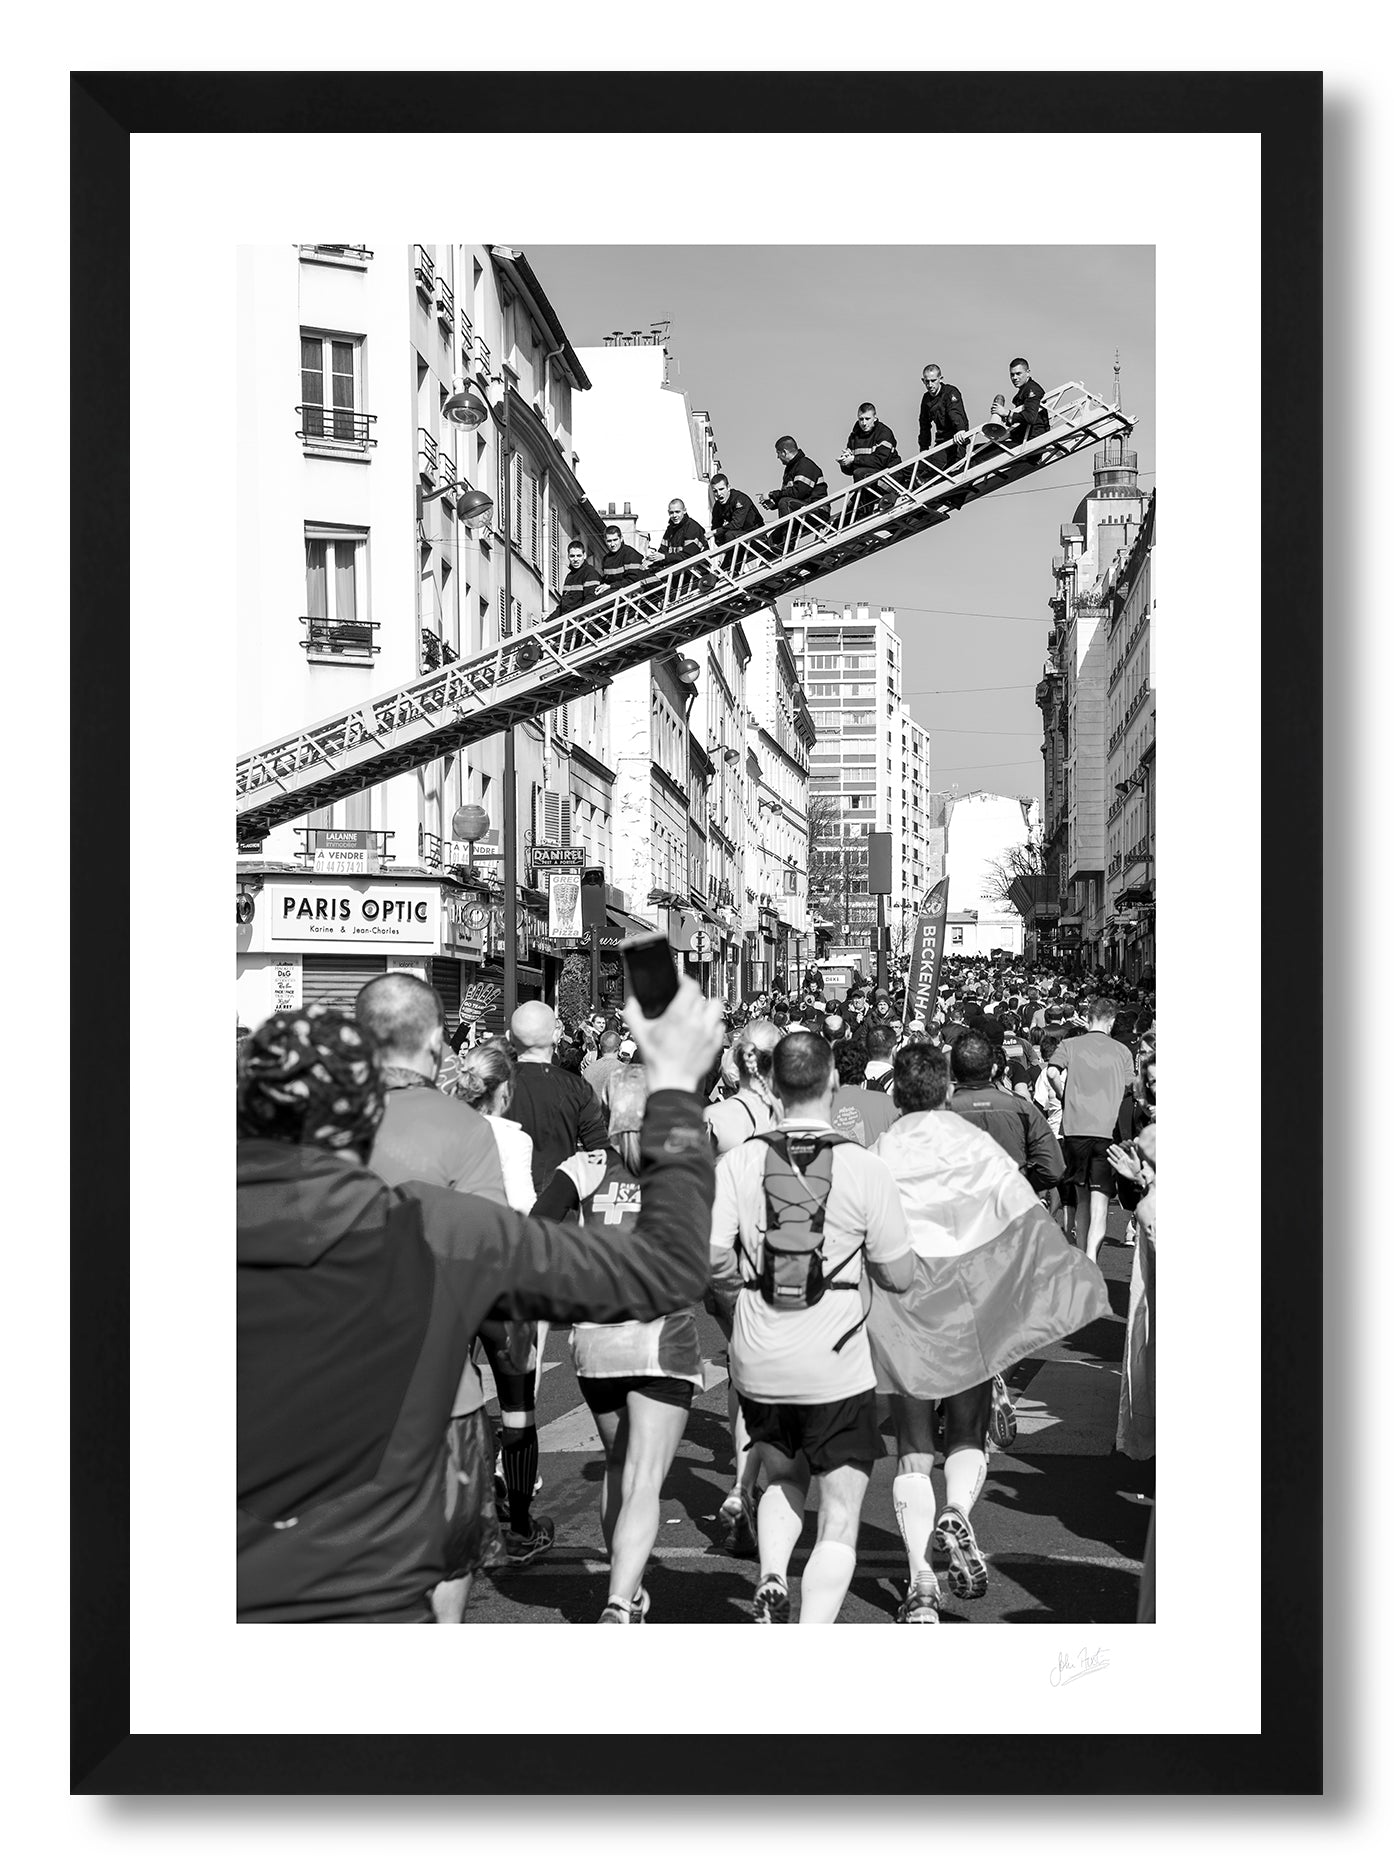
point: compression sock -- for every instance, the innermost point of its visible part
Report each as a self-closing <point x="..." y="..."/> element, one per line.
<point x="825" y="1581"/>
<point x="913" y="1496"/>
<point x="779" y="1520"/>
<point x="964" y="1474"/>
<point x="519" y="1474"/>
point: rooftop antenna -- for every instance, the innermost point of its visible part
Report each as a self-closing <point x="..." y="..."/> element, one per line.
<point x="1117" y="370"/>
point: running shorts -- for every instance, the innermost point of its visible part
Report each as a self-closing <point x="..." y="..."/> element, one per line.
<point x="844" y="1431"/>
<point x="1086" y="1162"/>
<point x="603" y="1396"/>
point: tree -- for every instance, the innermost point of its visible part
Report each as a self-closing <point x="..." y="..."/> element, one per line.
<point x="829" y="864"/>
<point x="999" y="873"/>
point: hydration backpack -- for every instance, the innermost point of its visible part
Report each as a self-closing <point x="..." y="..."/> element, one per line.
<point x="798" y="1178"/>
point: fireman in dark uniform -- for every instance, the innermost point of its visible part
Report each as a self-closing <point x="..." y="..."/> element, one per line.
<point x="620" y="565"/>
<point x="1029" y="418"/>
<point x="870" y="447"/>
<point x="582" y="583"/>
<point x="942" y="418"/>
<point x="682" y="538"/>
<point x="733" y="512"/>
<point x="804" y="482"/>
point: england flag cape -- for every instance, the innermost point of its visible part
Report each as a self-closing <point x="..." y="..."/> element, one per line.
<point x="995" y="1280"/>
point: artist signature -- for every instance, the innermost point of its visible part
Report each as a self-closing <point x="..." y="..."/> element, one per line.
<point x="1070" y="1668"/>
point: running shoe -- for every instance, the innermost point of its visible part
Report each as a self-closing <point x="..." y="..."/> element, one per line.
<point x="1001" y="1426"/>
<point x="618" y="1612"/>
<point x="737" y="1518"/>
<point x="953" y="1534"/>
<point x="921" y="1605"/>
<point x="772" y="1601"/>
<point x="522" y="1549"/>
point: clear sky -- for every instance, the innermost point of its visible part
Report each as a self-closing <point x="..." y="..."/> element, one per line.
<point x="771" y="339"/>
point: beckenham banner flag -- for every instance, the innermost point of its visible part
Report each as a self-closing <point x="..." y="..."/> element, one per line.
<point x="927" y="956"/>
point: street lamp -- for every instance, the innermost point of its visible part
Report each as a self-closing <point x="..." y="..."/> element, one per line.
<point x="470" y="409"/>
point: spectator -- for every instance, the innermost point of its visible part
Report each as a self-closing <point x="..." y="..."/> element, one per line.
<point x="357" y="1303"/>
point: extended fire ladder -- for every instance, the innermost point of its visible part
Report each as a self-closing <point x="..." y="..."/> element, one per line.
<point x="525" y="675"/>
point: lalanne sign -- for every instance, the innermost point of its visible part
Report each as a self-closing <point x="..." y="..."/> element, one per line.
<point x="336" y="914"/>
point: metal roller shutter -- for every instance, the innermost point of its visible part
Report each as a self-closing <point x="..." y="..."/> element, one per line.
<point x="337" y="979"/>
<point x="445" y="977"/>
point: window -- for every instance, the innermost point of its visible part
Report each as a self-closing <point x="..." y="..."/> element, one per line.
<point x="336" y="594"/>
<point x="332" y="559"/>
<point x="330" y="388"/>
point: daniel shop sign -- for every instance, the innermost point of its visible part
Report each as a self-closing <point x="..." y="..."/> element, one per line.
<point x="334" y="914"/>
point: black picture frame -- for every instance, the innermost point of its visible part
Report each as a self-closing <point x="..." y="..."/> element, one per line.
<point x="1285" y="109"/>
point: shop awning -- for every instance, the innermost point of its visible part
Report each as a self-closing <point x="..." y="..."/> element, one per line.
<point x="628" y="924"/>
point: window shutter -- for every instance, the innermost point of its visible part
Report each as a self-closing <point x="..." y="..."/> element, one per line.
<point x="534" y="521"/>
<point x="556" y="576"/>
<point x="557" y="817"/>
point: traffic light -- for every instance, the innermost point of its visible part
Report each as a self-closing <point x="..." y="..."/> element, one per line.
<point x="592" y="898"/>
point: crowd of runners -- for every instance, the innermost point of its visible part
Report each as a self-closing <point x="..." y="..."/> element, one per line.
<point x="882" y="1216"/>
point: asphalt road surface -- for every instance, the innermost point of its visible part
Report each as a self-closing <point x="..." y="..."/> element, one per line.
<point x="1062" y="1517"/>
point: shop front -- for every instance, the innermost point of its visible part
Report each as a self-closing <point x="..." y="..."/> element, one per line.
<point x="317" y="938"/>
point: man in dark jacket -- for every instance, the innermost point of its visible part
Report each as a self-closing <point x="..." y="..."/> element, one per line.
<point x="620" y="565"/>
<point x="357" y="1302"/>
<point x="942" y="418"/>
<point x="803" y="482"/>
<point x="1029" y="418"/>
<point x="733" y="512"/>
<point x="583" y="581"/>
<point x="682" y="539"/>
<point x="1018" y="1126"/>
<point x="870" y="447"/>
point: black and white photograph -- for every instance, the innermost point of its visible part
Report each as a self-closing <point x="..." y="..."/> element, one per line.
<point x="696" y="812"/>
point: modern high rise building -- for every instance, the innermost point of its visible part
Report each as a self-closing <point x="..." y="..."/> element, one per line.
<point x="870" y="769"/>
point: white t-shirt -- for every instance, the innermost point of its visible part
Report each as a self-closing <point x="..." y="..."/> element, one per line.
<point x="515" y="1157"/>
<point x="785" y="1356"/>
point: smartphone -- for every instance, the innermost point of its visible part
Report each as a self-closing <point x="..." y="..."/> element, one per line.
<point x="652" y="973"/>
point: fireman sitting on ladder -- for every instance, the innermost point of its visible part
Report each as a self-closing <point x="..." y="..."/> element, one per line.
<point x="583" y="582"/>
<point x="804" y="482"/>
<point x="870" y="447"/>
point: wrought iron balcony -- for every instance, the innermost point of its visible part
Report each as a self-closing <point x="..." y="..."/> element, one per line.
<point x="1141" y="852"/>
<point x="353" y="254"/>
<point x="1115" y="864"/>
<point x="350" y="640"/>
<point x="445" y="304"/>
<point x="423" y="267"/>
<point x="435" y="465"/>
<point x="336" y="426"/>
